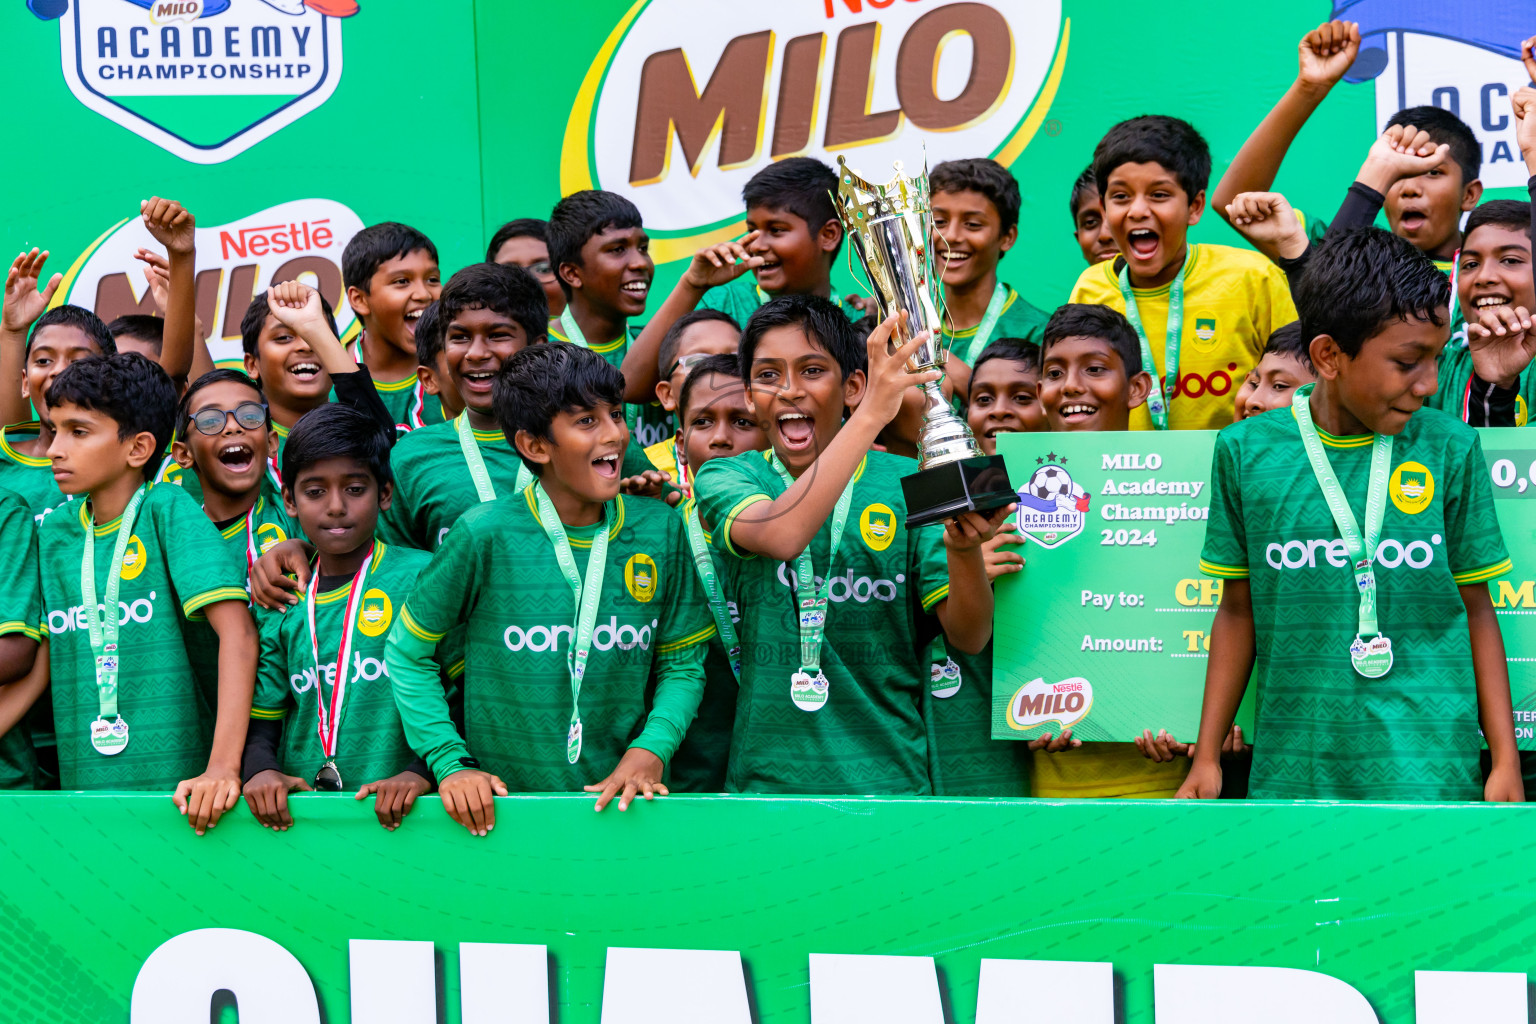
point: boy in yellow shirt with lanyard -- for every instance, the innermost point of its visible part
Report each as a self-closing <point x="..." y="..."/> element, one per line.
<point x="1201" y="312"/>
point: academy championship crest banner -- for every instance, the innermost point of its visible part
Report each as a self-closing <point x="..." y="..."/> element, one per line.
<point x="286" y="125"/>
<point x="1118" y="614"/>
<point x="768" y="911"/>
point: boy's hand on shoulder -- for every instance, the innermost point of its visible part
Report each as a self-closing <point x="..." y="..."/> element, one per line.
<point x="279" y="576"/>
<point x="638" y="771"/>
<point x="1504" y="785"/>
<point x="1000" y="561"/>
<point x="1501" y="344"/>
<point x="205" y="799"/>
<point x="469" y="798"/>
<point x="970" y="531"/>
<point x="887" y="378"/>
<point x="1267" y="220"/>
<point x="1402" y="151"/>
<point x="297" y="307"/>
<point x="23" y="302"/>
<point x="394" y="797"/>
<point x="1055" y="744"/>
<point x="721" y="263"/>
<point x="266" y="794"/>
<point x="1327" y="52"/>
<point x="170" y="224"/>
<point x="649" y="484"/>
<point x="1202" y="783"/>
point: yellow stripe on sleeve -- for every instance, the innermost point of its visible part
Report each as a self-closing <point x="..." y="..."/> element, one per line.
<point x="417" y="630"/>
<point x="934" y="596"/>
<point x="1483" y="575"/>
<point x="1224" y="572"/>
<point x="730" y="520"/>
<point x="17" y="626"/>
<point x="672" y="646"/>
<point x="269" y="714"/>
<point x="192" y="605"/>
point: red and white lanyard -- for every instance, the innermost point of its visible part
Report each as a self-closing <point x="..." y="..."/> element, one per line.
<point x="330" y="716"/>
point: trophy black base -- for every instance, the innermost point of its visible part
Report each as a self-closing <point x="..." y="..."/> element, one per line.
<point x="969" y="485"/>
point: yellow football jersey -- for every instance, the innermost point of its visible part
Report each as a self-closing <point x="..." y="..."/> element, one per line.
<point x="1100" y="771"/>
<point x="1233" y="300"/>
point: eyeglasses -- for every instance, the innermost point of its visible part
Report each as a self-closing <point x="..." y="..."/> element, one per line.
<point x="542" y="270"/>
<point x="249" y="415"/>
<point x="688" y="362"/>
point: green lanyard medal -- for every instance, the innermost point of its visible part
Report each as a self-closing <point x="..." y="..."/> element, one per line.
<point x="988" y="323"/>
<point x="1164" y="385"/>
<point x="475" y="459"/>
<point x="1371" y="658"/>
<point x="574" y="335"/>
<point x="586" y="594"/>
<point x="808" y="686"/>
<point x="109" y="732"/>
<point x="704" y="563"/>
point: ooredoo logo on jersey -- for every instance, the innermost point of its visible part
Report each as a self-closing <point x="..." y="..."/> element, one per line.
<point x="203" y="79"/>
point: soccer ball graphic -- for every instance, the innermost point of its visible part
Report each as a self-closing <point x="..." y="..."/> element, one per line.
<point x="1050" y="483"/>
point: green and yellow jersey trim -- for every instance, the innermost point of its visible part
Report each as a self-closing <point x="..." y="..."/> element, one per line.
<point x="673" y="646"/>
<point x="17" y="626"/>
<point x="582" y="542"/>
<point x="237" y="527"/>
<point x="197" y="602"/>
<point x="32" y="426"/>
<point x="482" y="436"/>
<point x="1342" y="440"/>
<point x="416" y="629"/>
<point x="604" y="349"/>
<point x="1484" y="574"/>
<point x="268" y="714"/>
<point x="340" y="593"/>
<point x="394" y="386"/>
<point x="934" y="596"/>
<point x="970" y="332"/>
<point x="1224" y="572"/>
<point x="730" y="520"/>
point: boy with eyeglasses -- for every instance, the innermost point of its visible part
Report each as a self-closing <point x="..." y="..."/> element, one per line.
<point x="524" y="242"/>
<point x="694" y="338"/>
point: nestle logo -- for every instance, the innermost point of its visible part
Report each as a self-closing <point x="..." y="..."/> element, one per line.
<point x="276" y="239"/>
<point x="1066" y="687"/>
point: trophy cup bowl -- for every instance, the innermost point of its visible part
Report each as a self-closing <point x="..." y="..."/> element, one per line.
<point x="889" y="226"/>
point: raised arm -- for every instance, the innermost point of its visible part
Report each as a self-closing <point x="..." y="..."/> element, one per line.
<point x="23" y="304"/>
<point x="173" y="227"/>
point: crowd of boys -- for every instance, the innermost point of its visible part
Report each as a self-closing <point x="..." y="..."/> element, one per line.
<point x="514" y="540"/>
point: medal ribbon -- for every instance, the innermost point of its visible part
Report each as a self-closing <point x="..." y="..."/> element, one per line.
<point x="586" y="595"/>
<point x="713" y="592"/>
<point x="1362" y="550"/>
<point x="103" y="632"/>
<point x="330" y="717"/>
<point x="572" y="331"/>
<point x="1167" y="383"/>
<point x="475" y="459"/>
<point x="680" y="462"/>
<point x="813" y="608"/>
<point x="251" y="554"/>
<point x="989" y="320"/>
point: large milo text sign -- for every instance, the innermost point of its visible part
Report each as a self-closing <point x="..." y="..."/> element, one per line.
<point x="737" y="910"/>
<point x="1107" y="629"/>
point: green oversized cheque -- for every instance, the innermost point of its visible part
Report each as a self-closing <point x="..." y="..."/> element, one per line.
<point x="1107" y="629"/>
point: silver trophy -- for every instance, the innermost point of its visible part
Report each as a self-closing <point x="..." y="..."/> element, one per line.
<point x="889" y="227"/>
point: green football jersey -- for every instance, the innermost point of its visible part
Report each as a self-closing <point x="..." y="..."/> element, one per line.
<point x="175" y="566"/>
<point x="649" y="423"/>
<point x="700" y="763"/>
<point x="433" y="487"/>
<point x="408" y="403"/>
<point x="497" y="573"/>
<point x="1455" y="390"/>
<point x="963" y="758"/>
<point x="1018" y="319"/>
<point x="742" y="297"/>
<point x="250" y="537"/>
<point x="28" y="477"/>
<point x="869" y="737"/>
<point x="1325" y="732"/>
<point x="21" y="609"/>
<point x="371" y="743"/>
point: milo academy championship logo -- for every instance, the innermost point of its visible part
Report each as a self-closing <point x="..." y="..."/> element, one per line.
<point x="1052" y="506"/>
<point x="687" y="99"/>
<point x="203" y="79"/>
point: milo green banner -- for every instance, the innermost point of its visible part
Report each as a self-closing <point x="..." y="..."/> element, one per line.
<point x="285" y="125"/>
<point x="1118" y="615"/>
<point x="768" y="911"/>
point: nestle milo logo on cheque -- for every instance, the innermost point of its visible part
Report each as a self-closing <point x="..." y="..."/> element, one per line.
<point x="687" y="99"/>
<point x="202" y="79"/>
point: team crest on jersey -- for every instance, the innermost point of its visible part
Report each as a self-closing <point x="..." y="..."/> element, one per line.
<point x="1522" y="411"/>
<point x="374" y="616"/>
<point x="877" y="525"/>
<point x="1412" y="487"/>
<point x="640" y="577"/>
<point x="1205" y="328"/>
<point x="203" y="79"/>
<point x="134" y="558"/>
<point x="1052" y="507"/>
<point x="268" y="535"/>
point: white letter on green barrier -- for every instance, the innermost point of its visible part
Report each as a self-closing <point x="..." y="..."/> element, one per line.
<point x="1453" y="997"/>
<point x="853" y="989"/>
<point x="503" y="983"/>
<point x="1059" y="991"/>
<point x="393" y="982"/>
<point x="177" y="983"/>
<point x="1268" y="995"/>
<point x="674" y="986"/>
